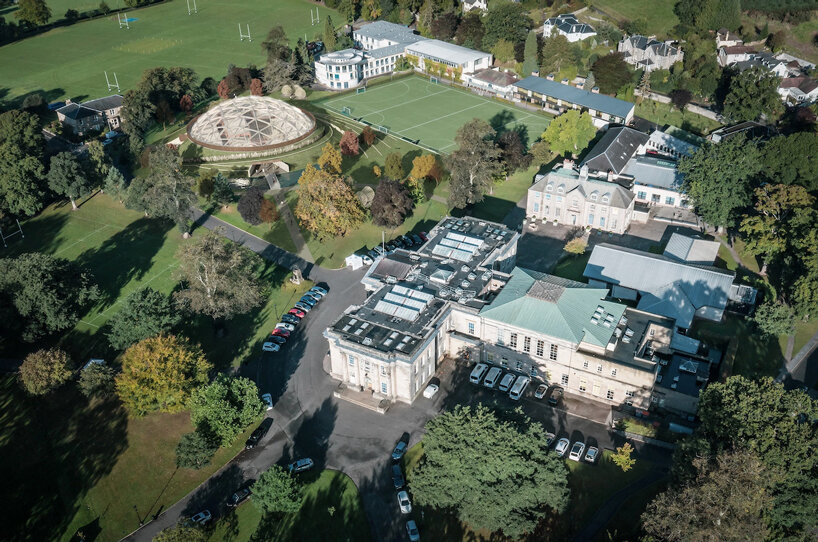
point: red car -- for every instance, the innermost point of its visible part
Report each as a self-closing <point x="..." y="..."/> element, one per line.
<point x="297" y="312"/>
<point x="280" y="332"/>
<point x="422" y="235"/>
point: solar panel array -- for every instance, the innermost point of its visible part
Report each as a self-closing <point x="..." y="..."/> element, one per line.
<point x="457" y="246"/>
<point x="403" y="303"/>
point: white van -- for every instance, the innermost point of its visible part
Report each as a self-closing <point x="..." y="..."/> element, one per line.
<point x="492" y="377"/>
<point x="507" y="382"/>
<point x="478" y="372"/>
<point x="519" y="388"/>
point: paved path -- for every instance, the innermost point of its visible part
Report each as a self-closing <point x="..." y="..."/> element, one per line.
<point x="295" y="232"/>
<point x="440" y="199"/>
<point x="606" y="512"/>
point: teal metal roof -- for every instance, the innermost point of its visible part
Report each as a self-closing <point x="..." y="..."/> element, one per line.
<point x="584" y="98"/>
<point x="556" y="307"/>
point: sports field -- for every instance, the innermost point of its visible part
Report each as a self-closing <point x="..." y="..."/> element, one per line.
<point x="70" y="61"/>
<point x="431" y="113"/>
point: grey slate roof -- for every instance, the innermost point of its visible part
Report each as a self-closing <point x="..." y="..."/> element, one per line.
<point x="578" y="96"/>
<point x="495" y="77"/>
<point x="614" y="150"/>
<point x="91" y="107"/>
<point x="654" y="171"/>
<point x="380" y="30"/>
<point x="569" y="24"/>
<point x="659" y="48"/>
<point x="571" y="181"/>
<point x="668" y="287"/>
<point x="692" y="250"/>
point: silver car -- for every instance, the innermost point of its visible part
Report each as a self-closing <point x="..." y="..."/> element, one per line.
<point x="576" y="451"/>
<point x="404" y="502"/>
<point x="562" y="446"/>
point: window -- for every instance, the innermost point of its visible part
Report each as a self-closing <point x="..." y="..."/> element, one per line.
<point x="602" y="222"/>
<point x="383" y="370"/>
<point x="351" y="361"/>
<point x="613" y="372"/>
<point x="550" y="188"/>
<point x="540" y="348"/>
<point x="606" y="198"/>
<point x="383" y="387"/>
<point x="500" y="337"/>
<point x="591" y="220"/>
<point x="610" y="395"/>
<point x="564" y="380"/>
<point x="548" y="196"/>
<point x="512" y="341"/>
<point x="490" y="357"/>
<point x="592" y="207"/>
<point x="641" y="195"/>
<point x="471" y="328"/>
<point x="536" y="207"/>
<point x="594" y="196"/>
<point x="669" y="200"/>
<point x="583" y="385"/>
<point x="527" y="345"/>
<point x="654" y="198"/>
<point x="599" y="368"/>
<point x="629" y="393"/>
<point x="553" y="354"/>
<point x="585" y="364"/>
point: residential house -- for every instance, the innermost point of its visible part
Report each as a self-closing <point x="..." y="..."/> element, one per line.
<point x="798" y="90"/>
<point x="569" y="26"/>
<point x="93" y="115"/>
<point x="613" y="151"/>
<point x="469" y="5"/>
<point x="731" y="54"/>
<point x="766" y="62"/>
<point x="492" y="81"/>
<point x="725" y="38"/>
<point x="648" y="53"/>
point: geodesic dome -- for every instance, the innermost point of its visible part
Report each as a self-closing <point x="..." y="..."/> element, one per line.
<point x="251" y="123"/>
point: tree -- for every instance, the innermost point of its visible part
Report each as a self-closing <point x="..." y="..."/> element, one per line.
<point x="256" y="88"/>
<point x="530" y="62"/>
<point x="491" y="469"/>
<point x="474" y="165"/>
<point x="167" y="192"/>
<point x="636" y="26"/>
<point x="222" y="191"/>
<point x="718" y="179"/>
<point x="45" y="370"/>
<point x="104" y="8"/>
<point x="470" y="32"/>
<point x="576" y="246"/>
<point x="276" y="491"/>
<point x="195" y="450"/>
<point x="775" y="318"/>
<point x="611" y="73"/>
<point x="512" y="151"/>
<point x="444" y="25"/>
<point x="276" y="45"/>
<point x="97" y="164"/>
<point x="393" y="167"/>
<point x="349" y="143"/>
<point x="424" y="167"/>
<point x="144" y="313"/>
<point x="223" y="89"/>
<point x="326" y="204"/>
<point x="181" y="533"/>
<point x="425" y="18"/>
<point x="349" y="9"/>
<point x="725" y="502"/>
<point x="506" y="20"/>
<point x="41" y="294"/>
<point x="186" y="103"/>
<point x="792" y="159"/>
<point x="219" y="277"/>
<point x="680" y="98"/>
<point x="22" y="175"/>
<point x="557" y="54"/>
<point x="329" y="34"/>
<point x="65" y="177"/>
<point x="97" y="380"/>
<point x="368" y="136"/>
<point x="751" y="94"/>
<point x="622" y="458"/>
<point x="770" y="231"/>
<point x="540" y="153"/>
<point x="268" y="212"/>
<point x="709" y="14"/>
<point x="249" y="206"/>
<point x="206" y="183"/>
<point x="225" y="407"/>
<point x="608" y="33"/>
<point x="331" y="160"/>
<point x="33" y="12"/>
<point x="503" y="50"/>
<point x="391" y="204"/>
<point x="160" y="374"/>
<point x="570" y="132"/>
<point x="777" y="40"/>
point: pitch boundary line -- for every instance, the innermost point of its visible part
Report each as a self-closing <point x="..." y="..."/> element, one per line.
<point x="438" y="118"/>
<point x="410" y="101"/>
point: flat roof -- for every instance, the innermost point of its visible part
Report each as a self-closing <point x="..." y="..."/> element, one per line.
<point x="383" y="30"/>
<point x="578" y="96"/>
<point x="446" y="51"/>
<point x="654" y="171"/>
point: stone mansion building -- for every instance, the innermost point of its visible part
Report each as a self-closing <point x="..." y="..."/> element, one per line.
<point x="462" y="295"/>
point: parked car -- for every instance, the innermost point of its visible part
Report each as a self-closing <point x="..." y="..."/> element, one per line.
<point x="412" y="531"/>
<point x="549" y="439"/>
<point x="478" y="372"/>
<point x="286" y="325"/>
<point x="202" y="518"/>
<point x="304" y="308"/>
<point x="280" y="332"/>
<point x="416" y="239"/>
<point x="277" y="339"/>
<point x="592" y="454"/>
<point x="320" y="290"/>
<point x="267" y="399"/>
<point x="540" y="393"/>
<point x="367" y="259"/>
<point x="291" y="319"/>
<point x="400" y="449"/>
<point x="404" y="502"/>
<point x="259" y="433"/>
<point x="298" y="313"/>
<point x="555" y="397"/>
<point x="506" y="382"/>
<point x="308" y="300"/>
<point x="391" y="246"/>
<point x="423" y="236"/>
<point x="315" y="296"/>
<point x="373" y="255"/>
<point x="301" y="465"/>
<point x="405" y="241"/>
<point x="492" y="377"/>
<point x="397" y="477"/>
<point x="519" y="387"/>
<point x="379" y="249"/>
<point x="270" y="346"/>
<point x="430" y="391"/>
<point x="562" y="446"/>
<point x="238" y="497"/>
<point x="576" y="451"/>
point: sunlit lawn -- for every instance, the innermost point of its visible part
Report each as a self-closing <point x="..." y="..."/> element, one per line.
<point x="663" y="114"/>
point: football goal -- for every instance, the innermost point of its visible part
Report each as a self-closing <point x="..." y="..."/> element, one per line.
<point x="360" y="90"/>
<point x="383" y="129"/>
<point x="346" y="111"/>
<point x="433" y="79"/>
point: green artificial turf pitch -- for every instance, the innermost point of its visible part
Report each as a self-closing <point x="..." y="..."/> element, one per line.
<point x="431" y="113"/>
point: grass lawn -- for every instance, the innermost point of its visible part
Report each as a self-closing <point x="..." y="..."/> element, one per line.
<point x="59" y="7"/>
<point x="275" y="233"/>
<point x="503" y="197"/>
<point x="571" y="266"/>
<point x="658" y="13"/>
<point x="757" y="355"/>
<point x="663" y="114"/>
<point x="69" y="61"/>
<point x="331" y="510"/>
<point x="432" y="113"/>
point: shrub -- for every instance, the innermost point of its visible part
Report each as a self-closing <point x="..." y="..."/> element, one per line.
<point x="45" y="370"/>
<point x="194" y="451"/>
<point x="250" y="204"/>
<point x="97" y="380"/>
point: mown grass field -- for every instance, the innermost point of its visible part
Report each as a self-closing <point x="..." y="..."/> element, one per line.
<point x="658" y="13"/>
<point x="69" y="61"/>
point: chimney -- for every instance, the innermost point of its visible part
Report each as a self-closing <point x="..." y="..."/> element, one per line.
<point x="536" y="73"/>
<point x="583" y="172"/>
<point x="610" y="176"/>
<point x="550" y="76"/>
<point x="564" y="81"/>
<point x="595" y="90"/>
<point x="567" y="164"/>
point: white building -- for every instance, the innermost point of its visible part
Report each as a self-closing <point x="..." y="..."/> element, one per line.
<point x="798" y="90"/>
<point x="656" y="182"/>
<point x="569" y="26"/>
<point x="492" y="81"/>
<point x="469" y="5"/>
<point x="648" y="53"/>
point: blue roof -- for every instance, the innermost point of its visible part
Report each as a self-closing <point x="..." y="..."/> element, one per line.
<point x="584" y="98"/>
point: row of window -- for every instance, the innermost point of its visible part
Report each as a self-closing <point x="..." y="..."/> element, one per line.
<point x="558" y="215"/>
<point x="655" y="198"/>
<point x="367" y="367"/>
<point x="586" y="364"/>
<point x="540" y="349"/>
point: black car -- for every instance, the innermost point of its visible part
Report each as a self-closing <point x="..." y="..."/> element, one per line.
<point x="374" y="254"/>
<point x="259" y="433"/>
<point x="403" y="241"/>
<point x="397" y="476"/>
<point x="391" y="245"/>
<point x="556" y="395"/>
<point x="238" y="497"/>
<point x="290" y="319"/>
<point x="307" y="300"/>
<point x="277" y="339"/>
<point x="416" y="238"/>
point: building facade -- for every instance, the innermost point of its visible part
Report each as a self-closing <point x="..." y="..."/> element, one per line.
<point x="492" y="81"/>
<point x="648" y="53"/>
<point x="569" y="26"/>
<point x="93" y="115"/>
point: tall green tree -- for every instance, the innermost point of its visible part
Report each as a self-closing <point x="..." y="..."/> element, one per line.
<point x="33" y="12"/>
<point x="41" y="294"/>
<point x="225" y="407"/>
<point x="222" y="191"/>
<point x="391" y="204"/>
<point x="774" y="318"/>
<point x="144" y="313"/>
<point x="97" y="380"/>
<point x="492" y="470"/>
<point x="350" y="9"/>
<point x="277" y="491"/>
<point x="326" y="206"/>
<point x="470" y="31"/>
<point x="219" y="277"/>
<point x="611" y="73"/>
<point x="393" y="168"/>
<point x="114" y="184"/>
<point x="45" y="370"/>
<point x="752" y="94"/>
<point x="557" y="54"/>
<point x="530" y="61"/>
<point x="719" y="179"/>
<point x="22" y="175"/>
<point x="167" y="192"/>
<point x="276" y="45"/>
<point x="792" y="159"/>
<point x="329" y="34"/>
<point x="474" y="165"/>
<point x="195" y="450"/>
<point x="505" y="20"/>
<point x="570" y="132"/>
<point x="66" y="177"/>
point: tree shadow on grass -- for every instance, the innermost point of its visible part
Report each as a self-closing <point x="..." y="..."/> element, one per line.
<point x="312" y="437"/>
<point x="41" y="234"/>
<point x="215" y="491"/>
<point x="54" y="450"/>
